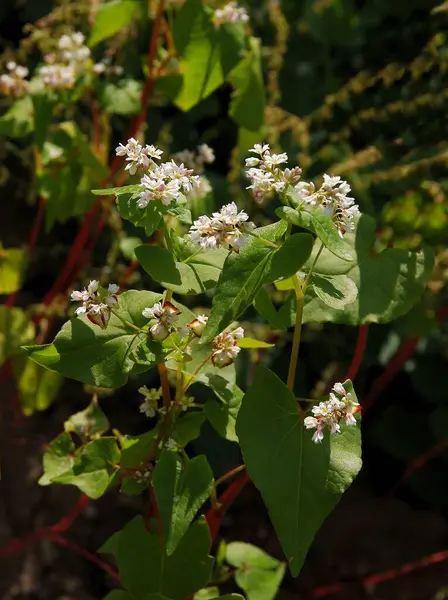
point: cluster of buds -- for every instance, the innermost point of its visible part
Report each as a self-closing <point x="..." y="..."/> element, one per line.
<point x="227" y="228"/>
<point x="97" y="303"/>
<point x="164" y="316"/>
<point x="333" y="198"/>
<point x="143" y="476"/>
<point x="62" y="68"/>
<point x="14" y="83"/>
<point x="328" y="415"/>
<point x="265" y="174"/>
<point x="230" y="13"/>
<point x="225" y="347"/>
<point x="104" y="67"/>
<point x="150" y="404"/>
<point x="162" y="182"/>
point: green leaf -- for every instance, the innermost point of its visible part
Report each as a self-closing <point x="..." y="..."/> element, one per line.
<point x="200" y="51"/>
<point x="335" y="291"/>
<point x="264" y="306"/>
<point x="15" y="329"/>
<point x="128" y="246"/>
<point x="181" y="488"/>
<point x="187" y="428"/>
<point x="93" y="469"/>
<point x="111" y="18"/>
<point x="250" y="343"/>
<point x="150" y="218"/>
<point x="12" y="267"/>
<point x="144" y="567"/>
<point x="58" y="458"/>
<point x="37" y="387"/>
<point x="389" y="282"/>
<point x="104" y="358"/>
<point x="258" y="574"/>
<point x="315" y="220"/>
<point x="209" y="593"/>
<point x="118" y="595"/>
<point x="43" y="105"/>
<point x="118" y="191"/>
<point x="135" y="448"/>
<point x="300" y="481"/>
<point x="18" y="121"/>
<point x="122" y="98"/>
<point x="245" y="273"/>
<point x="194" y="277"/>
<point x="247" y="107"/>
<point x="88" y="423"/>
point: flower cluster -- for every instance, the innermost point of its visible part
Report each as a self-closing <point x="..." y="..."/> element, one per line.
<point x="14" y="83"/>
<point x="226" y="229"/>
<point x="265" y="174"/>
<point x="150" y="404"/>
<point x="137" y="155"/>
<point x="333" y="198"/>
<point x="142" y="476"/>
<point x="225" y="347"/>
<point x="97" y="303"/>
<point x="196" y="161"/>
<point x="230" y="13"/>
<point x="164" y="182"/>
<point x="340" y="405"/>
<point x="62" y="68"/>
<point x="164" y="317"/>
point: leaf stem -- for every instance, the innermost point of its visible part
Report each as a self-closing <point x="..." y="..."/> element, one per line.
<point x="265" y="241"/>
<point x="229" y="474"/>
<point x="297" y="333"/>
<point x="193" y="376"/>
<point x="165" y="385"/>
<point x="310" y="272"/>
<point x="128" y="323"/>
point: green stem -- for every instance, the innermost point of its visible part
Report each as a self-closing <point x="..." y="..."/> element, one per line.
<point x="267" y="242"/>
<point x="310" y="272"/>
<point x="128" y="324"/>
<point x="297" y="334"/>
<point x="193" y="376"/>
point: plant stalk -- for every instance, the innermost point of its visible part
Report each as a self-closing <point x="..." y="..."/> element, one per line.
<point x="297" y="334"/>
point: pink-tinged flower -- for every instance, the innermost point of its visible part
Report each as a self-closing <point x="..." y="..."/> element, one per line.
<point x="198" y="325"/>
<point x="227" y="228"/>
<point x="150" y="403"/>
<point x="225" y="347"/>
<point x="96" y="302"/>
<point x="329" y="413"/>
<point x="165" y="316"/>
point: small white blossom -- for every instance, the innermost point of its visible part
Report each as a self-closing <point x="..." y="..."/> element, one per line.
<point x="196" y="160"/>
<point x="226" y="229"/>
<point x="142" y="476"/>
<point x="206" y="154"/>
<point x="14" y="82"/>
<point x="264" y="172"/>
<point x="225" y="349"/>
<point x="171" y="444"/>
<point x="96" y="302"/>
<point x="58" y="76"/>
<point x="165" y="316"/>
<point x="137" y="156"/>
<point x="329" y="413"/>
<point x="231" y="13"/>
<point x="165" y="183"/>
<point x="151" y="398"/>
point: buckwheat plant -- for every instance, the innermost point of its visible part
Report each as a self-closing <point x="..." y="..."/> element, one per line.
<point x="182" y="345"/>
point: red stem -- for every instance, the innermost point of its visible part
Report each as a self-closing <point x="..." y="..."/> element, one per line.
<point x="131" y="268"/>
<point x="371" y="580"/>
<point x="57" y="539"/>
<point x="214" y="517"/>
<point x="361" y="344"/>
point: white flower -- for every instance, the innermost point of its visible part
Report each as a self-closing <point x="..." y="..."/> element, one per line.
<point x="136" y="157"/>
<point x="142" y="476"/>
<point x="231" y="13"/>
<point x="266" y="176"/>
<point x="226" y="228"/>
<point x="333" y="199"/>
<point x="197" y="326"/>
<point x="96" y="302"/>
<point x="150" y="404"/>
<point x="206" y="154"/>
<point x="328" y="414"/>
<point x="58" y="76"/>
<point x="171" y="444"/>
<point x="186" y="402"/>
<point x="14" y="83"/>
<point x="224" y="347"/>
<point x="165" y="316"/>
